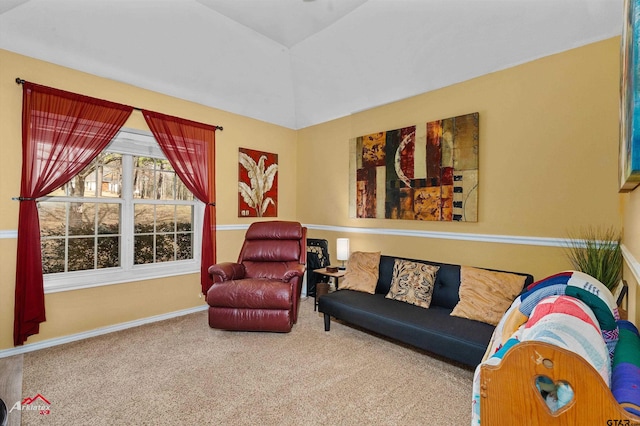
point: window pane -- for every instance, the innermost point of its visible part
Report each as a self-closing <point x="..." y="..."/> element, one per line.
<point x="185" y="246"/>
<point x="184" y="216"/>
<point x="143" y="177"/>
<point x="160" y="220"/>
<point x="165" y="248"/>
<point x="144" y="218"/>
<point x="164" y="181"/>
<point x="182" y="193"/>
<point x="108" y="218"/>
<point x="155" y="179"/>
<point x="143" y="252"/>
<point x="52" y="255"/>
<point x="82" y="218"/>
<point x="95" y="179"/>
<point x="85" y="186"/>
<point x="111" y="180"/>
<point x="81" y="254"/>
<point x="108" y="252"/>
<point x="60" y="192"/>
<point x="165" y="218"/>
<point x="53" y="218"/>
<point x="166" y="186"/>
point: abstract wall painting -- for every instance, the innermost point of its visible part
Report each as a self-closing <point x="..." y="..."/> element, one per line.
<point x="423" y="172"/>
<point x="630" y="98"/>
<point x="257" y="183"/>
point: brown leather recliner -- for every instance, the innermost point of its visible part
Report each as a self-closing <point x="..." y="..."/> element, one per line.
<point x="261" y="292"/>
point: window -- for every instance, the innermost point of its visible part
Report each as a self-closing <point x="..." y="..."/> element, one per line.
<point x="163" y="228"/>
<point x="126" y="217"/>
<point x="80" y="222"/>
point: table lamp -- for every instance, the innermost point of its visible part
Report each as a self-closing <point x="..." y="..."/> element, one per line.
<point x="342" y="250"/>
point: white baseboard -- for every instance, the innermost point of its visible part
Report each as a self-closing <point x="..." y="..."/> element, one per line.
<point x="97" y="332"/>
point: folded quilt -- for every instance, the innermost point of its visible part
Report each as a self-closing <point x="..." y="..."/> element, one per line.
<point x="570" y="324"/>
<point x="625" y="374"/>
<point x="570" y="283"/>
<point x="571" y="310"/>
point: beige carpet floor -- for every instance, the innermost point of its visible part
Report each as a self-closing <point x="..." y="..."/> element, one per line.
<point x="181" y="372"/>
<point x="11" y="387"/>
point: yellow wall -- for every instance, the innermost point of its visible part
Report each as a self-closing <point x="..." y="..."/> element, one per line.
<point x="76" y="311"/>
<point x="548" y="161"/>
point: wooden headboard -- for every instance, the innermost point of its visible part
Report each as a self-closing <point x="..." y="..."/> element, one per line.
<point x="509" y="395"/>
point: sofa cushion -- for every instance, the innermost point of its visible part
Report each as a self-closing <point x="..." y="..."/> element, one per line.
<point x="430" y="329"/>
<point x="447" y="286"/>
<point x="362" y="272"/>
<point x="385" y="273"/>
<point x="486" y="295"/>
<point x="251" y="294"/>
<point x="412" y="282"/>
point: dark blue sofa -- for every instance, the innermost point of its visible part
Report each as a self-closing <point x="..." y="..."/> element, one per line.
<point x="462" y="340"/>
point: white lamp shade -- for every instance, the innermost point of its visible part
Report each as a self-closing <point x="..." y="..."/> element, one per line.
<point x="342" y="249"/>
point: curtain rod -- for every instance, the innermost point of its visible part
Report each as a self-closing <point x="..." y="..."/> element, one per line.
<point x="21" y="81"/>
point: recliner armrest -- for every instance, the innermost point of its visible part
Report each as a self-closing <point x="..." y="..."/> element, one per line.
<point x="228" y="271"/>
<point x="296" y="271"/>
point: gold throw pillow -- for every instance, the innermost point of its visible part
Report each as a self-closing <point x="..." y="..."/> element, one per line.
<point x="486" y="295"/>
<point x="362" y="272"/>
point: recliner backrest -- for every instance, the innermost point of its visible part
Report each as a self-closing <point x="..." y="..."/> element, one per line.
<point x="271" y="251"/>
<point x="269" y="247"/>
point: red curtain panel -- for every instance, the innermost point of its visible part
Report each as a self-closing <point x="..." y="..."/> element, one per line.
<point x="190" y="148"/>
<point x="62" y="133"/>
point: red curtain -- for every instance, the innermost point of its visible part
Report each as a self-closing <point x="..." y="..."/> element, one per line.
<point x="62" y="133"/>
<point x="190" y="148"/>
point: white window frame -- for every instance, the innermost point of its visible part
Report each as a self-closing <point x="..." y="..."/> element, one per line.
<point x="133" y="142"/>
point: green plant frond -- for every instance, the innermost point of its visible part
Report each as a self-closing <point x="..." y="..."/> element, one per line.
<point x="597" y="252"/>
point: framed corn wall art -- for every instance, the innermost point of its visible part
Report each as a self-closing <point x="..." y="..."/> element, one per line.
<point x="630" y="98"/>
<point x="257" y="183"/>
<point x="422" y="172"/>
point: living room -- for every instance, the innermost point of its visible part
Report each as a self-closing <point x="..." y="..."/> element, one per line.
<point x="546" y="168"/>
<point x="548" y="154"/>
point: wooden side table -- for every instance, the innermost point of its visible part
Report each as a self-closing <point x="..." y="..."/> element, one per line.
<point x="324" y="289"/>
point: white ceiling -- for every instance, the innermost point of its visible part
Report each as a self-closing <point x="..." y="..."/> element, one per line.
<point x="298" y="63"/>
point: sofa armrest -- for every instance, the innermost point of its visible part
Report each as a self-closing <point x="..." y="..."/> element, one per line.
<point x="295" y="271"/>
<point x="228" y="271"/>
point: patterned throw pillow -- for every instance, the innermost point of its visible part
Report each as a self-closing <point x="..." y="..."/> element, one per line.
<point x="362" y="272"/>
<point x="412" y="282"/>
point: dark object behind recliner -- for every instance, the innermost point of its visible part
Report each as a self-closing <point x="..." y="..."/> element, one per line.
<point x="317" y="257"/>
